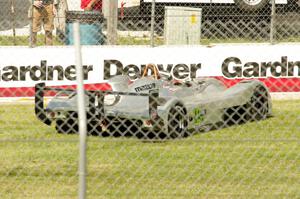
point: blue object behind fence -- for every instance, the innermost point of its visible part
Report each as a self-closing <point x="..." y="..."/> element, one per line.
<point x="90" y="34"/>
<point x="90" y="24"/>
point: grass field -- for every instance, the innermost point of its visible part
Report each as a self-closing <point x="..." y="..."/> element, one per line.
<point x="130" y="40"/>
<point x="255" y="160"/>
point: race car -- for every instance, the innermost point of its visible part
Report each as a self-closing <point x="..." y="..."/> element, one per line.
<point x="156" y="106"/>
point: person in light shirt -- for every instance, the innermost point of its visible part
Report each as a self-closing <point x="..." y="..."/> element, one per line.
<point x="43" y="13"/>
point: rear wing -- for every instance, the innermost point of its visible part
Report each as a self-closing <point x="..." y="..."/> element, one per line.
<point x="95" y="101"/>
<point x="39" y="108"/>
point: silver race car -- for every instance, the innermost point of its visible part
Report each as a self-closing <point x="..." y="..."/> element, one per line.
<point x="155" y="106"/>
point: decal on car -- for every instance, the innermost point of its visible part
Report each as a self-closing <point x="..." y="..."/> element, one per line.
<point x="145" y="87"/>
<point x="198" y="115"/>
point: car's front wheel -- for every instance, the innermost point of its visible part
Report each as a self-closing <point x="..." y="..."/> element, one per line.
<point x="259" y="105"/>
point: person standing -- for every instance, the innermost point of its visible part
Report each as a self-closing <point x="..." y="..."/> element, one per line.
<point x="43" y="13"/>
<point x="89" y="5"/>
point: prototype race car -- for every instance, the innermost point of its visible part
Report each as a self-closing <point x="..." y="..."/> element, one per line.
<point x="155" y="106"/>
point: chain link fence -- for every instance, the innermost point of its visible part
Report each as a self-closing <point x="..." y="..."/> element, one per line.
<point x="154" y="130"/>
<point x="220" y="22"/>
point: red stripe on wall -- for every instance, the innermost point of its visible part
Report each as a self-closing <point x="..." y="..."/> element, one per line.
<point x="274" y="85"/>
<point x="29" y="91"/>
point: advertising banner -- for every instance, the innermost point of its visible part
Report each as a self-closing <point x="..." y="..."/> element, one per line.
<point x="278" y="66"/>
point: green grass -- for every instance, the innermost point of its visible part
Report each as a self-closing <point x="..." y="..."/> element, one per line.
<point x="255" y="160"/>
<point x="24" y="41"/>
<point x="130" y="40"/>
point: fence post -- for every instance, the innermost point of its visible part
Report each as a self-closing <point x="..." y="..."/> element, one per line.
<point x="111" y="14"/>
<point x="152" y="23"/>
<point x="30" y="26"/>
<point x="13" y="18"/>
<point x="272" y="28"/>
<point x="81" y="114"/>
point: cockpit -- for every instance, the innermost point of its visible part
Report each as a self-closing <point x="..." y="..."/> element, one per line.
<point x="156" y="74"/>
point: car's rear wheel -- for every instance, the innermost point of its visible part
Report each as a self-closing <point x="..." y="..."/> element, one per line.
<point x="176" y="126"/>
<point x="94" y="128"/>
<point x="177" y="122"/>
<point x="67" y="126"/>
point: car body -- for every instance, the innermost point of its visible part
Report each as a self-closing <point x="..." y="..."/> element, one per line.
<point x="157" y="107"/>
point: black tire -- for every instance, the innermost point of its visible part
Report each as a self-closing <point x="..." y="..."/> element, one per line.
<point x="237" y="115"/>
<point x="155" y="135"/>
<point x="177" y="126"/>
<point x="259" y="105"/>
<point x="177" y="122"/>
<point x="251" y="5"/>
<point x="94" y="128"/>
<point x="67" y="126"/>
<point x="71" y="127"/>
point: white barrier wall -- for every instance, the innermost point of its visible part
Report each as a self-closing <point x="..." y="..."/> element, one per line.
<point x="274" y="64"/>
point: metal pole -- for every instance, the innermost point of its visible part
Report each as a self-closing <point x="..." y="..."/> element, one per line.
<point x="152" y="23"/>
<point x="272" y="28"/>
<point x="13" y="20"/>
<point x="81" y="113"/>
<point x="30" y="26"/>
<point x="112" y="21"/>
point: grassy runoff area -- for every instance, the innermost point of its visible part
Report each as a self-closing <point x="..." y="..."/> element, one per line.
<point x="24" y="41"/>
<point x="130" y="40"/>
<point x="248" y="161"/>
